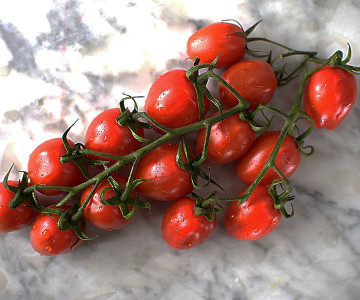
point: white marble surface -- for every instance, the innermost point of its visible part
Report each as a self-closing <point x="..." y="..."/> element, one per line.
<point x="60" y="60"/>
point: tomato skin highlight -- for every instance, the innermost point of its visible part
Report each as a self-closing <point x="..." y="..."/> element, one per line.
<point x="168" y="181"/>
<point x="287" y="159"/>
<point x="44" y="167"/>
<point x="108" y="217"/>
<point x="13" y="219"/>
<point x="172" y="100"/>
<point x="329" y="95"/>
<point x="253" y="79"/>
<point x="106" y="136"/>
<point x="229" y="140"/>
<point x="182" y="229"/>
<point x="253" y="219"/>
<point x="47" y="239"/>
<point x="208" y="42"/>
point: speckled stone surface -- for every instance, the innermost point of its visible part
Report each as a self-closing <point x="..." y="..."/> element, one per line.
<point x="67" y="60"/>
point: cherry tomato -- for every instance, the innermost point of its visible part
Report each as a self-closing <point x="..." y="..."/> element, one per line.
<point x="229" y="140"/>
<point x="211" y="40"/>
<point x="182" y="229"/>
<point x="287" y="159"/>
<point x="13" y="219"/>
<point x="253" y="79"/>
<point x="168" y="181"/>
<point x="108" y="217"/>
<point x="106" y="136"/>
<point x="329" y="95"/>
<point x="47" y="239"/>
<point x="172" y="100"/>
<point x="44" y="167"/>
<point x="253" y="219"/>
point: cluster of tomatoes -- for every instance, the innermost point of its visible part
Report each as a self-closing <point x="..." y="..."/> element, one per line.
<point x="173" y="102"/>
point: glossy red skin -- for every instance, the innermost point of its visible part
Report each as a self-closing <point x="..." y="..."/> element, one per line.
<point x="106" y="136"/>
<point x="44" y="167"/>
<point x="182" y="229"/>
<point x="208" y="42"/>
<point x="253" y="79"/>
<point x="329" y="95"/>
<point x="253" y="219"/>
<point x="287" y="159"/>
<point x="13" y="219"/>
<point x="108" y="217"/>
<point x="172" y="100"/>
<point x="168" y="181"/>
<point x="229" y="140"/>
<point x="47" y="239"/>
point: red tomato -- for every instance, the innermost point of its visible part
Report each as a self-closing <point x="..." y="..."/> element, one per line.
<point x="229" y="140"/>
<point x="208" y="42"/>
<point x="172" y="100"/>
<point x="167" y="180"/>
<point x="106" y="136"/>
<point x="47" y="239"/>
<point x="13" y="219"/>
<point x="329" y="95"/>
<point x="253" y="79"/>
<point x="44" y="167"/>
<point x="253" y="219"/>
<point x="287" y="160"/>
<point x="107" y="217"/>
<point x="182" y="229"/>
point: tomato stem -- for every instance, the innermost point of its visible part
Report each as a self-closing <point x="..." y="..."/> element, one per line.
<point x="199" y="81"/>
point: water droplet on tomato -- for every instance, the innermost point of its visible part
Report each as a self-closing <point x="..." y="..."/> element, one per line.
<point x="45" y="231"/>
<point x="100" y="207"/>
<point x="48" y="249"/>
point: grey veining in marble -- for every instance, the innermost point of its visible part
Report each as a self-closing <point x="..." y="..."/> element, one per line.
<point x="64" y="59"/>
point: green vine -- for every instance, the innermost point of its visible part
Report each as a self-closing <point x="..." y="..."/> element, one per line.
<point x="198" y="75"/>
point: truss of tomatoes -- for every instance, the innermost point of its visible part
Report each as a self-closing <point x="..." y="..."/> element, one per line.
<point x="170" y="171"/>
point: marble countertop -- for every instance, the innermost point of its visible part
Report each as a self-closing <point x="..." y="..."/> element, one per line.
<point x="65" y="59"/>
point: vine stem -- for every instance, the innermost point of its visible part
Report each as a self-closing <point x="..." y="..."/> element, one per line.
<point x="290" y="119"/>
<point x="199" y="82"/>
<point x="123" y="160"/>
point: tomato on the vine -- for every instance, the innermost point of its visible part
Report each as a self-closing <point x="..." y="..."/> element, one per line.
<point x="253" y="219"/>
<point x="108" y="217"/>
<point x="167" y="181"/>
<point x="218" y="38"/>
<point x="13" y="219"/>
<point x="182" y="229"/>
<point x="253" y="79"/>
<point x="44" y="167"/>
<point x="106" y="136"/>
<point x="47" y="239"/>
<point x="229" y="140"/>
<point x="172" y="100"/>
<point x="329" y="95"/>
<point x="287" y="159"/>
